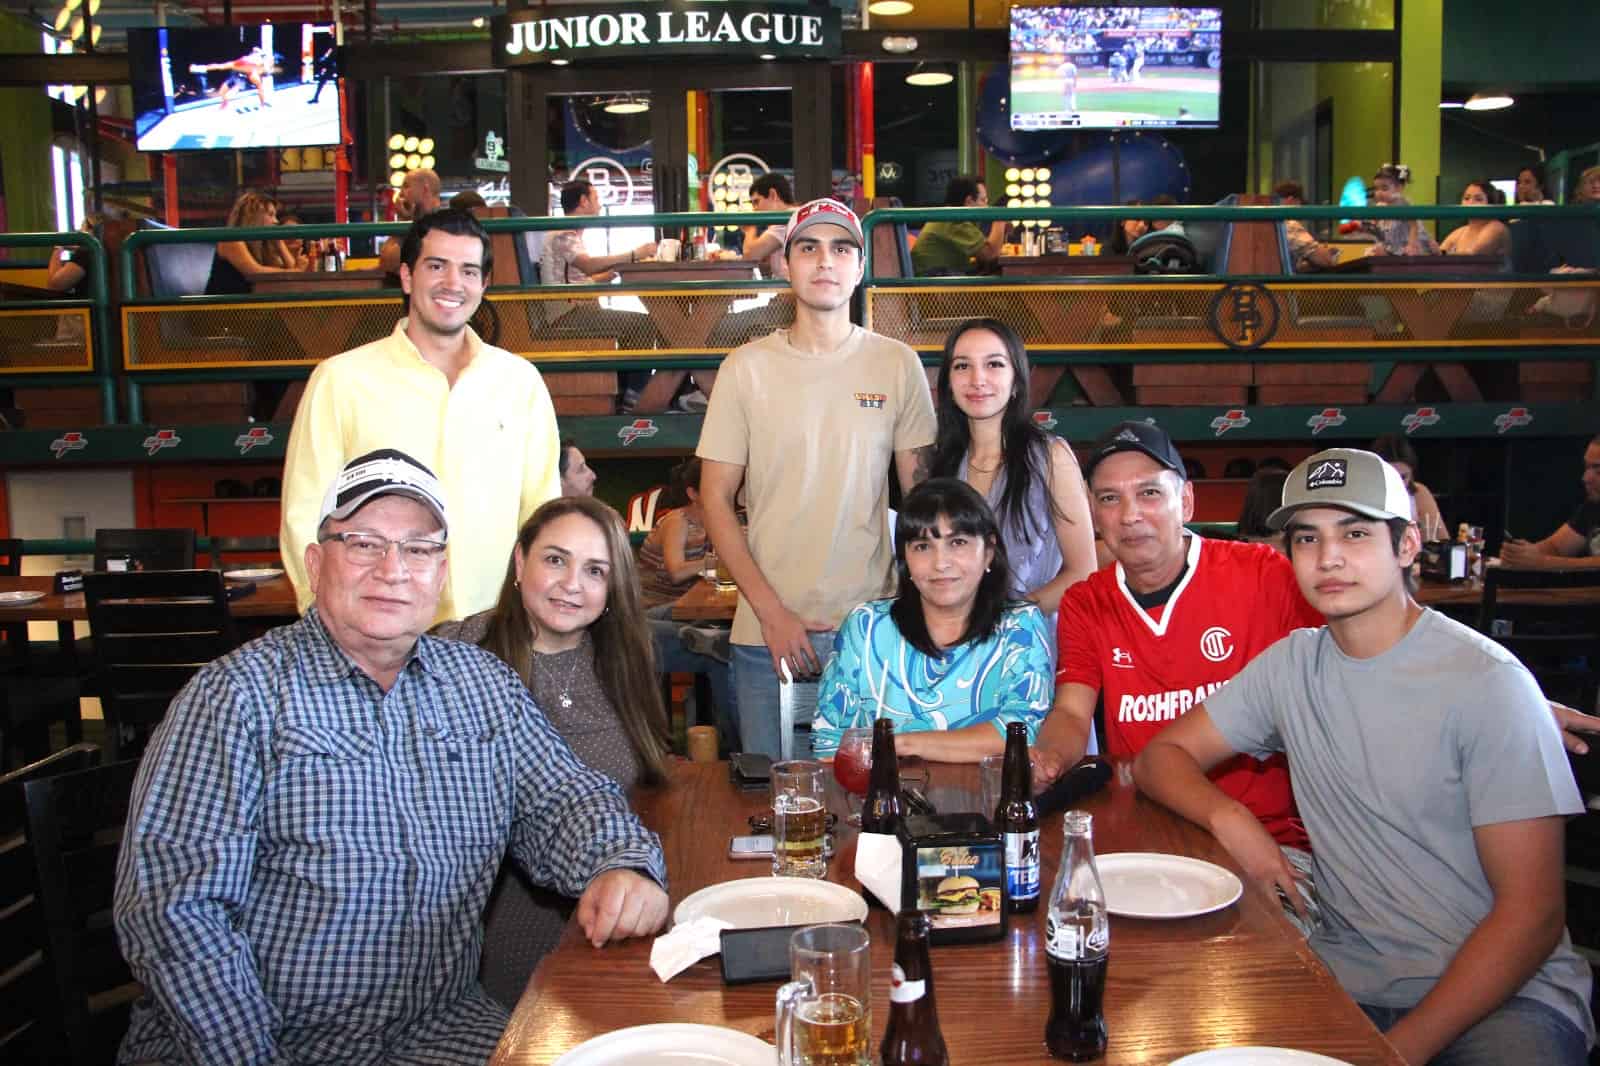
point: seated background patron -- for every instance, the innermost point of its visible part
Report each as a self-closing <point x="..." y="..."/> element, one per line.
<point x="237" y="263"/>
<point x="949" y="248"/>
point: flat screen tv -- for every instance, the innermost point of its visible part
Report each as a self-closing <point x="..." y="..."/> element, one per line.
<point x="268" y="86"/>
<point x="1103" y="67"/>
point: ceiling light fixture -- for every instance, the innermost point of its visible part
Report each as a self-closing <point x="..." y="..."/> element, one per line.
<point x="1491" y="101"/>
<point x="1450" y="105"/>
<point x="890" y="7"/>
<point x="559" y="62"/>
<point x="899" y="44"/>
<point x="925" y="76"/>
<point x="627" y="105"/>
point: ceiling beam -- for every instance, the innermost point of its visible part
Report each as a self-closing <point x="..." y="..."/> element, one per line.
<point x="21" y="69"/>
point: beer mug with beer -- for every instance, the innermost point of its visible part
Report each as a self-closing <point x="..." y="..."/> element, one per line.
<point x="799" y="818"/>
<point x="825" y="1011"/>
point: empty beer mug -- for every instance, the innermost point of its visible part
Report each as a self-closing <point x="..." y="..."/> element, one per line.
<point x="799" y="818"/>
<point x="825" y="1011"/>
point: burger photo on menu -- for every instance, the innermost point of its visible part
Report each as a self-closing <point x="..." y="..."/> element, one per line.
<point x="959" y="887"/>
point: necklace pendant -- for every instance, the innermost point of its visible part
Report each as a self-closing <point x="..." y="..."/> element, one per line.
<point x="566" y="700"/>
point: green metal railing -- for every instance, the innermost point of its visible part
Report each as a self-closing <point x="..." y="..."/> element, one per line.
<point x="1105" y="216"/>
<point x="105" y="365"/>
<point x="93" y="259"/>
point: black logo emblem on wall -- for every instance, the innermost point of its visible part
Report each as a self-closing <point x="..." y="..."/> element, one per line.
<point x="1244" y="316"/>
<point x="1328" y="474"/>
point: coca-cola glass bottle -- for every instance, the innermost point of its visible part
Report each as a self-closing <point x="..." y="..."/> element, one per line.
<point x="1078" y="947"/>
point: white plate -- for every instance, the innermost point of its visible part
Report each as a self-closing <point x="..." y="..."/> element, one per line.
<point x="265" y="573"/>
<point x="757" y="902"/>
<point x="672" y="1044"/>
<point x="1257" y="1056"/>
<point x="1142" y="884"/>
<point x="20" y="597"/>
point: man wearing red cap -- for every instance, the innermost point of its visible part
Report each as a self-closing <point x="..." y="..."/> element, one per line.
<point x="807" y="420"/>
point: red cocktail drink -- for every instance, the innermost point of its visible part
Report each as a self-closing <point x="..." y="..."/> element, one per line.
<point x="852" y="763"/>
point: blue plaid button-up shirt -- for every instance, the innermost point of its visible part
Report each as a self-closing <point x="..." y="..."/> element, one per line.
<point x="307" y="857"/>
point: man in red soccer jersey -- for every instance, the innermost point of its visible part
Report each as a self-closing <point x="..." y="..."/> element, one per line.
<point x="1176" y="617"/>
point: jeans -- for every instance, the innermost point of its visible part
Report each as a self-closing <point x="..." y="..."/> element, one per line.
<point x="672" y="657"/>
<point x="756" y="688"/>
<point x="1519" y="1030"/>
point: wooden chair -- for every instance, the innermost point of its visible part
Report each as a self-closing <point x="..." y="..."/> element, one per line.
<point x="1548" y="638"/>
<point x="144" y="549"/>
<point x="75" y="823"/>
<point x="29" y="1027"/>
<point x="152" y="630"/>
<point x="38" y="683"/>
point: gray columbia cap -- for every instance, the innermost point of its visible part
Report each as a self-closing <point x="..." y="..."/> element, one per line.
<point x="386" y="472"/>
<point x="1347" y="478"/>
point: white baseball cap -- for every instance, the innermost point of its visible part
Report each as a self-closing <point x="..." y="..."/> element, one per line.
<point x="385" y="472"/>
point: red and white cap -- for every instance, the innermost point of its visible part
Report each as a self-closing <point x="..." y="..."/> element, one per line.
<point x="824" y="212"/>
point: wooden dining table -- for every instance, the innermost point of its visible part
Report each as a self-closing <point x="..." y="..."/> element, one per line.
<point x="1066" y="266"/>
<point x="1240" y="975"/>
<point x="320" y="282"/>
<point x="273" y="598"/>
<point x="1442" y="594"/>
<point x="686" y="319"/>
<point x="706" y="602"/>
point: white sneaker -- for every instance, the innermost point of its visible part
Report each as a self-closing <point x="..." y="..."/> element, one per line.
<point x="694" y="402"/>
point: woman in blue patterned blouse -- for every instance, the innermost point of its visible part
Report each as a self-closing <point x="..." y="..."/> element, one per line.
<point x="951" y="659"/>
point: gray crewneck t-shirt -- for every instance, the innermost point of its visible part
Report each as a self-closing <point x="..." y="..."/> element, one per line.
<point x="1395" y="759"/>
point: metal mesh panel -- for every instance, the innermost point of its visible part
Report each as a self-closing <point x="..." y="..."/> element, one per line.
<point x="542" y="324"/>
<point x="1288" y="315"/>
<point x="255" y="334"/>
<point x="44" y="340"/>
<point x="664" y="322"/>
<point x="1052" y="316"/>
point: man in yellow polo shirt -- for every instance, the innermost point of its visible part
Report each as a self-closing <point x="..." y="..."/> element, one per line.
<point x="477" y="415"/>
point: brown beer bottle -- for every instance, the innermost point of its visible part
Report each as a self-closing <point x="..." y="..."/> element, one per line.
<point x="1018" y="821"/>
<point x="913" y="1037"/>
<point x="880" y="811"/>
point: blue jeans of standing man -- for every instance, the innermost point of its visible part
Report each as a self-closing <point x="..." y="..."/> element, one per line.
<point x="1519" y="1030"/>
<point x="756" y="689"/>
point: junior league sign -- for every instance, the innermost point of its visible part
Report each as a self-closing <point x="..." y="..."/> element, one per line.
<point x="729" y="30"/>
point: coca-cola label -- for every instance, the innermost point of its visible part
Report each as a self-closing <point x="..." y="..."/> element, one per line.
<point x="1022" y="865"/>
<point x="903" y="991"/>
<point x="1069" y="941"/>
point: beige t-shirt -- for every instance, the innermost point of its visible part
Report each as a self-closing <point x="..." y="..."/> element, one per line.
<point x="816" y="435"/>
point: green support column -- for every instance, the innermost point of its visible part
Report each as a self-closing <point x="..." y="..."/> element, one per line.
<point x="25" y="161"/>
<point x="1421" y="74"/>
<point x="967" y="118"/>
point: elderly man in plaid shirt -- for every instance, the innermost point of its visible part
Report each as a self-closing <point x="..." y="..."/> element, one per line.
<point x="320" y="816"/>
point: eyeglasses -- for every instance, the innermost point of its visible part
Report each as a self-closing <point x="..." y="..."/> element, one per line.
<point x="417" y="554"/>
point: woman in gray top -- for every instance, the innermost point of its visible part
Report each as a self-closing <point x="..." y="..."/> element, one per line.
<point x="569" y="621"/>
<point x="1030" y="478"/>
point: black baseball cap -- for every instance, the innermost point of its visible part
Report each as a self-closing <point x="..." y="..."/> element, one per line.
<point x="1144" y="437"/>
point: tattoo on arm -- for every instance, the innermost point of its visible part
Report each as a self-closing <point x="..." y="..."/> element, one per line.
<point x="924" y="464"/>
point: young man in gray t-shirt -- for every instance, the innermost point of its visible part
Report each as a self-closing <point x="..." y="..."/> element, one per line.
<point x="1432" y="783"/>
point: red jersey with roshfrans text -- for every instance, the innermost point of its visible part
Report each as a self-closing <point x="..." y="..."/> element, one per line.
<point x="1235" y="600"/>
